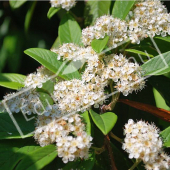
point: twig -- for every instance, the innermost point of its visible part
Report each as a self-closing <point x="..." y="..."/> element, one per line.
<point x="135" y="164"/>
<point x="115" y="137"/>
<point x="112" y="103"/>
<point x="109" y="148"/>
<point x="99" y="150"/>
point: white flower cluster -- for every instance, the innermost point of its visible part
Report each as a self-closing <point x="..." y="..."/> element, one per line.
<point x="70" y="51"/>
<point x="106" y="25"/>
<point x="28" y="102"/>
<point x="142" y="142"/>
<point x="65" y="4"/>
<point x="126" y="75"/>
<point x="74" y="95"/>
<point x="148" y="18"/>
<point x="69" y="134"/>
<point x="38" y="78"/>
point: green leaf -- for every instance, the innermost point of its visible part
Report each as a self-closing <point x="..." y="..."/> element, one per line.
<point x="164" y="38"/>
<point x="52" y="11"/>
<point x="29" y="16"/>
<point x="160" y="102"/>
<point x="86" y="118"/>
<point x="45" y="99"/>
<point x="162" y="84"/>
<point x="12" y="151"/>
<point x="69" y="30"/>
<point x="95" y="9"/>
<point x="11" y="51"/>
<point x="121" y="8"/>
<point x="48" y="87"/>
<point x="8" y="130"/>
<point x="99" y="44"/>
<point x="17" y="156"/>
<point x="39" y="158"/>
<point x="56" y="43"/>
<point x="139" y="52"/>
<point x="87" y="164"/>
<point x="16" y="3"/>
<point x="49" y="60"/>
<point x="165" y="134"/>
<point x="12" y="81"/>
<point x="122" y="162"/>
<point x="105" y="122"/>
<point x="157" y="65"/>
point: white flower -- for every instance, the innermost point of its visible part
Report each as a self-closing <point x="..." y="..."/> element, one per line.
<point x="65" y="4"/>
<point x="145" y="145"/>
<point x="71" y="143"/>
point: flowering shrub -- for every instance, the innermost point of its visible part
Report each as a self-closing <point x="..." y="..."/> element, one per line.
<point x="71" y="105"/>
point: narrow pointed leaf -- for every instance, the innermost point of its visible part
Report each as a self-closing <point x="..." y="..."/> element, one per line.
<point x="165" y="134"/>
<point x="12" y="80"/>
<point x="157" y="65"/>
<point x="162" y="84"/>
<point x="167" y="38"/>
<point x="160" y="101"/>
<point x="139" y="52"/>
<point x="86" y="118"/>
<point x="52" y="11"/>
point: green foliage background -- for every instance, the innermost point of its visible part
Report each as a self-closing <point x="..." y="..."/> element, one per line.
<point x="29" y="27"/>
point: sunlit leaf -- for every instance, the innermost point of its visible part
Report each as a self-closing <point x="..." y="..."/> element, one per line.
<point x="49" y="59"/>
<point x="69" y="30"/>
<point x="95" y="9"/>
<point x="121" y="8"/>
<point x="52" y="11"/>
<point x="99" y="44"/>
<point x="16" y="3"/>
<point x="86" y="118"/>
<point x="39" y="158"/>
<point x="12" y="80"/>
<point x="105" y="122"/>
<point x="165" y="134"/>
<point x="157" y="65"/>
<point x="139" y="52"/>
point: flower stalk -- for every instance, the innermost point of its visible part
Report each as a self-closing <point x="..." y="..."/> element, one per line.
<point x="115" y="137"/>
<point x="138" y="161"/>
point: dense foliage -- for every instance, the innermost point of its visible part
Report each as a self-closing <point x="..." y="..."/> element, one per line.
<point x="100" y="97"/>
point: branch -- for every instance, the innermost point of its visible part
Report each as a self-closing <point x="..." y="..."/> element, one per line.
<point x="161" y="113"/>
<point x="112" y="104"/>
<point x="109" y="148"/>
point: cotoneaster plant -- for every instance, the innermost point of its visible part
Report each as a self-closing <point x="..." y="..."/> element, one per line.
<point x="83" y="79"/>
